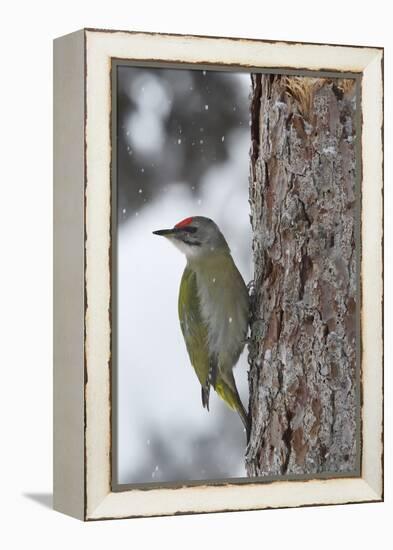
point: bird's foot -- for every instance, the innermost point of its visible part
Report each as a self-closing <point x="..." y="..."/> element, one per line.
<point x="250" y="286"/>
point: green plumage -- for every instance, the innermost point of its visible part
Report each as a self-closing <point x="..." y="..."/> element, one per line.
<point x="195" y="333"/>
<point x="193" y="328"/>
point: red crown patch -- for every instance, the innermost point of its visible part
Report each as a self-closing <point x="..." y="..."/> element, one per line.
<point x="184" y="222"/>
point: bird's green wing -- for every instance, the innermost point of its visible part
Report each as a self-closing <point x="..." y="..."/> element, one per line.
<point x="194" y="331"/>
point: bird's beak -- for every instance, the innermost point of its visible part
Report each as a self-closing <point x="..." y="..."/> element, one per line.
<point x="165" y="232"/>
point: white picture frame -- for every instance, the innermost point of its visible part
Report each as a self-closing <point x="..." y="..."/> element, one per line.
<point x="82" y="248"/>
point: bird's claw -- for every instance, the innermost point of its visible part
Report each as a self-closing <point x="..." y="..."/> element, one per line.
<point x="250" y="286"/>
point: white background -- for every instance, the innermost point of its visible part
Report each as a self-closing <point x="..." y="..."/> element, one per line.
<point x="26" y="303"/>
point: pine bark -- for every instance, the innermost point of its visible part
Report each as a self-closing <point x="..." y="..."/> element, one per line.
<point x="302" y="350"/>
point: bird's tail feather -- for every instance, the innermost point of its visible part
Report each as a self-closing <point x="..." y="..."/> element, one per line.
<point x="245" y="419"/>
<point x="227" y="390"/>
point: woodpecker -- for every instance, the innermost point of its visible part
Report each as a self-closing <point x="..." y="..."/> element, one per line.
<point x="213" y="308"/>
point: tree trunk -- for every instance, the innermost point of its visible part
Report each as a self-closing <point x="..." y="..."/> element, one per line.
<point x="302" y="352"/>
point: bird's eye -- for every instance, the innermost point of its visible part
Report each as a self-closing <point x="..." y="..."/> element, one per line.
<point x="189" y="229"/>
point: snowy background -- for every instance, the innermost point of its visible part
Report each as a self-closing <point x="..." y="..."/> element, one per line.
<point x="183" y="141"/>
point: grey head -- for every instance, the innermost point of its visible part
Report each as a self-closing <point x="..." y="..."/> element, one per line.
<point x="196" y="236"/>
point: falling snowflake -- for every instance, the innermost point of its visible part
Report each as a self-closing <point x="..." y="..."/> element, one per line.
<point x="206" y="107"/>
<point x="179" y="141"/>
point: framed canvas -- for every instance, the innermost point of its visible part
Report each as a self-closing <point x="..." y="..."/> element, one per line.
<point x="242" y="368"/>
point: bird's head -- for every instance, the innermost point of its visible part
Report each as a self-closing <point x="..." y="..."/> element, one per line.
<point x="195" y="237"/>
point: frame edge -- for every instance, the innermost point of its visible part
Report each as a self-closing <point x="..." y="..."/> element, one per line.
<point x="68" y="272"/>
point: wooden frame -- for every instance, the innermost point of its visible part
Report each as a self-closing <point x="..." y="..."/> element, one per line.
<point x="82" y="241"/>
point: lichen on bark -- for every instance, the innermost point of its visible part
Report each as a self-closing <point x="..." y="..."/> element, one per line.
<point x="302" y="351"/>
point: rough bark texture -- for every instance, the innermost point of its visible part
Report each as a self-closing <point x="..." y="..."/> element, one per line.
<point x="303" y="403"/>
